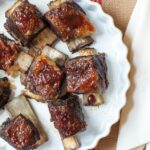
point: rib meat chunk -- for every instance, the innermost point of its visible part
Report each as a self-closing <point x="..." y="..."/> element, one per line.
<point x="20" y="133"/>
<point x="86" y="74"/>
<point x="69" y="21"/>
<point x="44" y="79"/>
<point x="67" y="115"/>
<point x="23" y="21"/>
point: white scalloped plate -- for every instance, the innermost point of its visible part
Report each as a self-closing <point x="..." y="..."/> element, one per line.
<point x="108" y="39"/>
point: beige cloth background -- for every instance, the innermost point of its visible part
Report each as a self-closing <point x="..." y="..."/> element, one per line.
<point x="121" y="11"/>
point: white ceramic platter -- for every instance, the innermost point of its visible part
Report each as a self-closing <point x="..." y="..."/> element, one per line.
<point x="108" y="39"/>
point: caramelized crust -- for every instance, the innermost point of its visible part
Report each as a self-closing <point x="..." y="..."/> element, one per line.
<point x="82" y="76"/>
<point x="69" y="22"/>
<point x="26" y="18"/>
<point x="67" y="115"/>
<point x="8" y="53"/>
<point x="44" y="78"/>
<point x="5" y="91"/>
<point x="20" y="133"/>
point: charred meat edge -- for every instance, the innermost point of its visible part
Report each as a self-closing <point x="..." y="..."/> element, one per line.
<point x="57" y="3"/>
<point x="5" y="91"/>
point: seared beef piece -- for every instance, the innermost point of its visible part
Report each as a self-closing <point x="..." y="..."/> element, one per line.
<point x="68" y="21"/>
<point x="23" y="21"/>
<point x="44" y="79"/>
<point x="8" y="52"/>
<point x="82" y="76"/>
<point x="67" y="115"/>
<point x="20" y="133"/>
<point x="86" y="74"/>
<point x="5" y="91"/>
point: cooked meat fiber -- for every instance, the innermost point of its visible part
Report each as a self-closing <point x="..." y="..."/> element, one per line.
<point x="5" y="91"/>
<point x="67" y="115"/>
<point x="85" y="74"/>
<point x="44" y="78"/>
<point x="23" y="21"/>
<point x="8" y="52"/>
<point x="69" y="22"/>
<point x="20" y="133"/>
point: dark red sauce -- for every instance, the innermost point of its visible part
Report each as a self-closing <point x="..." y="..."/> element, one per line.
<point x="91" y="99"/>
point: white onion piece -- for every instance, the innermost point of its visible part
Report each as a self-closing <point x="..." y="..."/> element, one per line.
<point x="24" y="61"/>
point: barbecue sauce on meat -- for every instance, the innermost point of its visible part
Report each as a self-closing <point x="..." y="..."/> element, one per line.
<point x="69" y="22"/>
<point x="20" y="133"/>
<point x="26" y="18"/>
<point x="44" y="79"/>
<point x="8" y="53"/>
<point x="82" y="76"/>
<point x="67" y="115"/>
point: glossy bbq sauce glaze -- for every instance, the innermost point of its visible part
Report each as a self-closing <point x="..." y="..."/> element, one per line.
<point x="27" y="19"/>
<point x="44" y="79"/>
<point x="20" y="133"/>
<point x="8" y="54"/>
<point x="67" y="115"/>
<point x="69" y="22"/>
<point x="82" y="76"/>
<point x="5" y="91"/>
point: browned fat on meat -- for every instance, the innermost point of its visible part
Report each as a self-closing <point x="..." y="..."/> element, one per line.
<point x="69" y="22"/>
<point x="20" y="133"/>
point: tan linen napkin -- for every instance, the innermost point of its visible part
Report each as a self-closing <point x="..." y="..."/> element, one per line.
<point x="135" y="120"/>
<point x="120" y="10"/>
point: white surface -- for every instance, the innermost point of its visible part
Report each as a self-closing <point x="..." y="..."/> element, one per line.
<point x="99" y="119"/>
<point x="135" y="120"/>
